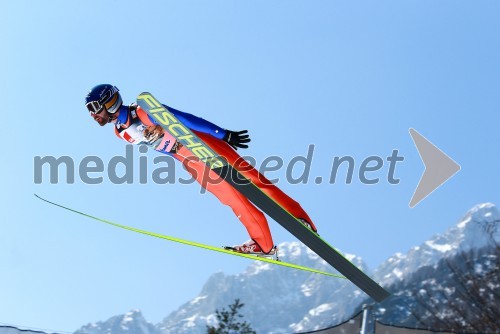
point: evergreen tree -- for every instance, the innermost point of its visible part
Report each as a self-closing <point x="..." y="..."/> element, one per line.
<point x="229" y="321"/>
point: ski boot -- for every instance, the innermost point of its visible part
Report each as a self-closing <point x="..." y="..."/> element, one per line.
<point x="252" y="248"/>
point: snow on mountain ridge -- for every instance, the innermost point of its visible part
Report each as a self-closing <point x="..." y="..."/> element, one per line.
<point x="292" y="295"/>
<point x="484" y="218"/>
<point x="298" y="301"/>
<point x="480" y="211"/>
<point x="129" y="323"/>
<point x="478" y="228"/>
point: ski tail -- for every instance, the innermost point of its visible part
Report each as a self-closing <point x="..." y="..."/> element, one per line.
<point x="327" y="252"/>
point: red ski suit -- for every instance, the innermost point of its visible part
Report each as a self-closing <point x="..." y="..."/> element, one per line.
<point x="129" y="128"/>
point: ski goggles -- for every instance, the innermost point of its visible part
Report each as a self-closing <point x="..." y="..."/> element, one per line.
<point x="95" y="107"/>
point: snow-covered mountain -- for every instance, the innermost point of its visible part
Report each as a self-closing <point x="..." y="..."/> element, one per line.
<point x="477" y="229"/>
<point x="300" y="301"/>
<point x="459" y="294"/>
<point x="297" y="297"/>
<point x="132" y="322"/>
<point x="451" y="280"/>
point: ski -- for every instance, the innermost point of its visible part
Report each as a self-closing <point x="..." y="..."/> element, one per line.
<point x="220" y="166"/>
<point x="197" y="244"/>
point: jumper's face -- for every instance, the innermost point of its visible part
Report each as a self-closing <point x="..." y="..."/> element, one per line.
<point x="102" y="117"/>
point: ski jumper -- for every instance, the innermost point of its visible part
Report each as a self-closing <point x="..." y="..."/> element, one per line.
<point x="136" y="127"/>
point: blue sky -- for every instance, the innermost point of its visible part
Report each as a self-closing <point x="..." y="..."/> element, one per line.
<point x="349" y="77"/>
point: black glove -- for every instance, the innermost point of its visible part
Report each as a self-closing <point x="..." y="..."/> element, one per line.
<point x="237" y="138"/>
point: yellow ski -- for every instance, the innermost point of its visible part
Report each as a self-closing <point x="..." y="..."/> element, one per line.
<point x="197" y="244"/>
